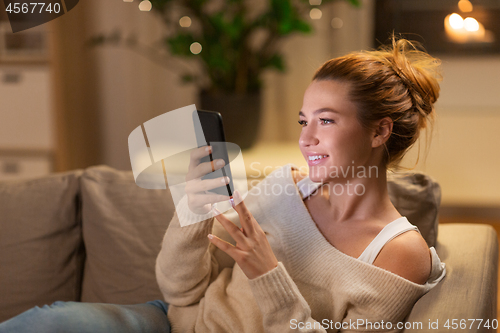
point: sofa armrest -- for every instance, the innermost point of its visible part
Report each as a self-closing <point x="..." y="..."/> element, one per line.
<point x="469" y="290"/>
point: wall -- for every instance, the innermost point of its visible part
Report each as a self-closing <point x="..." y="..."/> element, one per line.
<point x="133" y="89"/>
<point x="463" y="156"/>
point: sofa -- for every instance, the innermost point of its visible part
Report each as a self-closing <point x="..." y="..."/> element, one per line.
<point x="93" y="235"/>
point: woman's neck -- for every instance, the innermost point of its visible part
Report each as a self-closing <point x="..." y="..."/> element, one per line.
<point x="360" y="198"/>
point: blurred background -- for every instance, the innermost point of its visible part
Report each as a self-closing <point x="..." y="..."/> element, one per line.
<point x="72" y="90"/>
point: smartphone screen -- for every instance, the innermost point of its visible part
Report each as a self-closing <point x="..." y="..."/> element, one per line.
<point x="213" y="135"/>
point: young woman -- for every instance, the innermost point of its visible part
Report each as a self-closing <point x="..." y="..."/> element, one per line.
<point x="328" y="253"/>
<point x="334" y="254"/>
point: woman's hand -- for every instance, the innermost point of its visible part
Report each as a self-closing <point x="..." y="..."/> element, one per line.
<point x="199" y="199"/>
<point x="252" y="251"/>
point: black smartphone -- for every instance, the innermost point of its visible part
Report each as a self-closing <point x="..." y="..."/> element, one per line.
<point x="212" y="134"/>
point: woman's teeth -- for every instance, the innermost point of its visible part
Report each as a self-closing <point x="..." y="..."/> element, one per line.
<point x="317" y="157"/>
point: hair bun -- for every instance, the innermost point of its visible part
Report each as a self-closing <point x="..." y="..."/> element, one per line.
<point x="418" y="71"/>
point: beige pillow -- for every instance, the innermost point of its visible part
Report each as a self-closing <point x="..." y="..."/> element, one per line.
<point x="417" y="196"/>
<point x="41" y="250"/>
<point x="123" y="226"/>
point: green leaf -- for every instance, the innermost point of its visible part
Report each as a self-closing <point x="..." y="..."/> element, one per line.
<point x="276" y="62"/>
<point x="179" y="45"/>
<point x="159" y="5"/>
<point x="302" y="26"/>
<point x="280" y="16"/>
<point x="356" y="3"/>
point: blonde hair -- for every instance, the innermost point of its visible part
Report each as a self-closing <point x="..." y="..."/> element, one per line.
<point x="399" y="81"/>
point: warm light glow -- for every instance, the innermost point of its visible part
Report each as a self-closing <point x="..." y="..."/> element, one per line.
<point x="315" y="2"/>
<point x="471" y="24"/>
<point x="145" y="6"/>
<point x="185" y="22"/>
<point x="128" y="0"/>
<point x="337" y="23"/>
<point x="466" y="31"/>
<point x="195" y="48"/>
<point x="315" y="13"/>
<point x="465" y="6"/>
<point x="456" y="21"/>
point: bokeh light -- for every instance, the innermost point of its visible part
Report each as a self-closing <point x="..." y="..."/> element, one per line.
<point x="456" y="21"/>
<point x="145" y="6"/>
<point x="315" y="13"/>
<point x="185" y="22"/>
<point x="465" y="6"/>
<point x="337" y="23"/>
<point x="471" y="24"/>
<point x="195" y="48"/>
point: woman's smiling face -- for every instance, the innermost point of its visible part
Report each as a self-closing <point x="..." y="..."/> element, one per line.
<point x="332" y="139"/>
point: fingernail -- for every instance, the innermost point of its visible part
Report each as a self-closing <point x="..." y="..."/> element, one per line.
<point x="231" y="200"/>
<point x="208" y="148"/>
<point x="210" y="236"/>
<point x="225" y="180"/>
<point x="237" y="196"/>
<point x="220" y="162"/>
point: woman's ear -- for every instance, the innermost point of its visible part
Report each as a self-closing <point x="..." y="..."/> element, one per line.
<point x="383" y="130"/>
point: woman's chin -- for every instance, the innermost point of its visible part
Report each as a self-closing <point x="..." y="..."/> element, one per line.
<point x="316" y="178"/>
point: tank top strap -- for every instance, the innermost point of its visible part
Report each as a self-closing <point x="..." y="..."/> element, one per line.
<point x="306" y="187"/>
<point x="389" y="232"/>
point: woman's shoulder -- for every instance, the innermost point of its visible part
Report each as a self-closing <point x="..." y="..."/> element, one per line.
<point x="408" y="256"/>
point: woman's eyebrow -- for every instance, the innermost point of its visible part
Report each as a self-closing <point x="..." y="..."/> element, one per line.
<point x="319" y="111"/>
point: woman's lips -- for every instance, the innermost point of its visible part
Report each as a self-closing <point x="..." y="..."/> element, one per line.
<point x="316" y="162"/>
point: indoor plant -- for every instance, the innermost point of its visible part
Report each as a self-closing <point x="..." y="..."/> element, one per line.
<point x="234" y="42"/>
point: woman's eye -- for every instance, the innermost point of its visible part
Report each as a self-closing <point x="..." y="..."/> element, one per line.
<point x="302" y="122"/>
<point x="326" y="121"/>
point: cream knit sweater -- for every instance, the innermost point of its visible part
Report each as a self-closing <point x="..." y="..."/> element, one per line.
<point x="314" y="288"/>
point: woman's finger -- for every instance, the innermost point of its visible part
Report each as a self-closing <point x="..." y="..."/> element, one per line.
<point x="233" y="230"/>
<point x="201" y="199"/>
<point x="246" y="217"/>
<point x="205" y="168"/>
<point x="198" y="185"/>
<point x="223" y="245"/>
<point x="197" y="154"/>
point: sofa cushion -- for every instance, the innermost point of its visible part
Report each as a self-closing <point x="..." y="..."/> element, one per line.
<point x="123" y="226"/>
<point x="469" y="290"/>
<point x="41" y="252"/>
<point x="417" y="196"/>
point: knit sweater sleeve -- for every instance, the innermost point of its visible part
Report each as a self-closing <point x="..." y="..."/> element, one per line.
<point x="185" y="266"/>
<point x="188" y="262"/>
<point x="283" y="307"/>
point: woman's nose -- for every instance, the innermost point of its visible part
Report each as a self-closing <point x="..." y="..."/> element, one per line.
<point x="308" y="137"/>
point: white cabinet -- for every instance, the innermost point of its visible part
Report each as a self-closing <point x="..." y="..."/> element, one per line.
<point x="26" y="121"/>
<point x="26" y="165"/>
